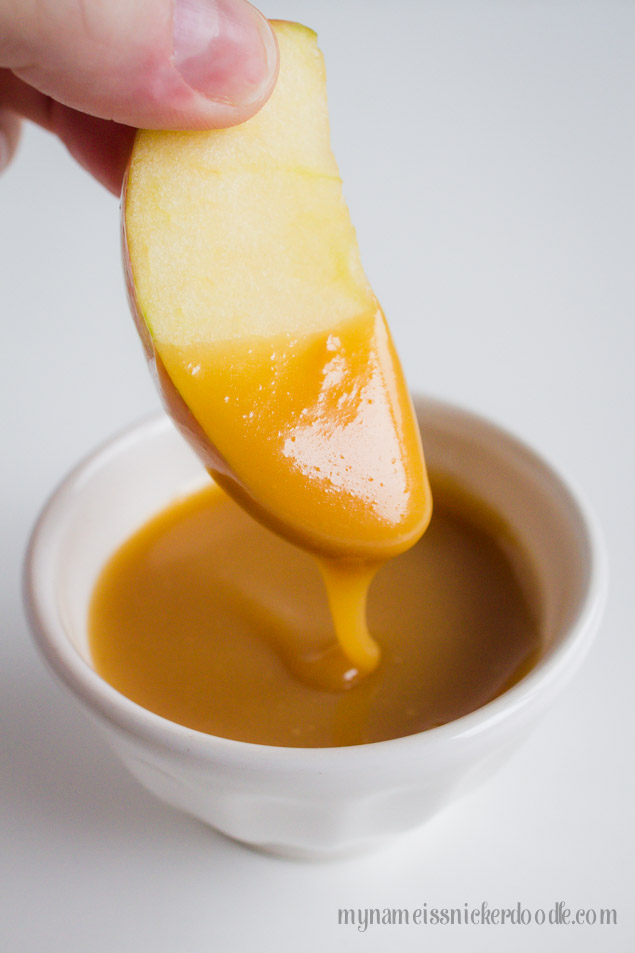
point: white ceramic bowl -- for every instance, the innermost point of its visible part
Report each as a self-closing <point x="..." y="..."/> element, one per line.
<point x="316" y="802"/>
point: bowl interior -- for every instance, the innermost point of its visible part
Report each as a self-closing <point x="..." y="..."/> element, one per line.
<point x="541" y="511"/>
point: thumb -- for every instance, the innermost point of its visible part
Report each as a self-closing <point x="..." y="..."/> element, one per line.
<point x="150" y="63"/>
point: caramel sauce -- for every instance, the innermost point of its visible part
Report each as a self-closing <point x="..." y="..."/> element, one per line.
<point x="212" y="621"/>
<point x="318" y="441"/>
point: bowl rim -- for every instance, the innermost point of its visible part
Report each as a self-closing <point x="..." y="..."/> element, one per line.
<point x="129" y="717"/>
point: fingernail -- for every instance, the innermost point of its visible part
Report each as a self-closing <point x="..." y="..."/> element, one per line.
<point x="224" y="49"/>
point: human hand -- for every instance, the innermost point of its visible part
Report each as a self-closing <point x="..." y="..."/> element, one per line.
<point x="92" y="71"/>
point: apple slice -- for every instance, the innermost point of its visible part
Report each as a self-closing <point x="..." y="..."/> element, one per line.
<point x="272" y="352"/>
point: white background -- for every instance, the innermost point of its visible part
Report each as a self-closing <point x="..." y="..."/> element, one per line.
<point x="488" y="156"/>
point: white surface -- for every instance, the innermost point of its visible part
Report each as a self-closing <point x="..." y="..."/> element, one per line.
<point x="488" y="156"/>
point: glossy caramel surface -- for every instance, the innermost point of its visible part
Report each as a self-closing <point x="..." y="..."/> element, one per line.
<point x="318" y="440"/>
<point x="318" y="433"/>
